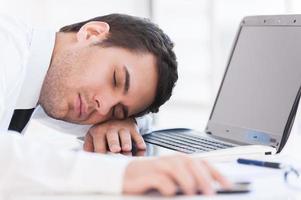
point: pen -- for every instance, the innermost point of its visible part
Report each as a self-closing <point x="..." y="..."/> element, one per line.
<point x="259" y="163"/>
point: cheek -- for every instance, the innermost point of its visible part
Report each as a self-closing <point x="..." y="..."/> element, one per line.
<point x="81" y="81"/>
<point x="97" y="85"/>
<point x="93" y="76"/>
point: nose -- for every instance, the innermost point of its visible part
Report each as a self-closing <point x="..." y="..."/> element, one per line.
<point x="103" y="104"/>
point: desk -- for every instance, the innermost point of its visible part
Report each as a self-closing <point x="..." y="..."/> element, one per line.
<point x="262" y="187"/>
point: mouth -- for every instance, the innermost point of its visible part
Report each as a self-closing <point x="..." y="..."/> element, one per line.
<point x="82" y="112"/>
<point x="77" y="106"/>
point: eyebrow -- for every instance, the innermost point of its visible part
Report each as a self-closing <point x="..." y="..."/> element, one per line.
<point x="127" y="80"/>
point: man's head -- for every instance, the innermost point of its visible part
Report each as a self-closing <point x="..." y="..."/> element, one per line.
<point x="109" y="67"/>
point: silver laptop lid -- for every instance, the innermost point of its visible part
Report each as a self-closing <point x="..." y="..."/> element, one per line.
<point x="260" y="90"/>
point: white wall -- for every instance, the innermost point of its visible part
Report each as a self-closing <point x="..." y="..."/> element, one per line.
<point x="57" y="13"/>
<point x="203" y="31"/>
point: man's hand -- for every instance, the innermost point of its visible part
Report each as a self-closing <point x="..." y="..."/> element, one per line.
<point x="114" y="136"/>
<point x="167" y="174"/>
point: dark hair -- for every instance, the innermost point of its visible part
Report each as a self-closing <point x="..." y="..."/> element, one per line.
<point x="141" y="35"/>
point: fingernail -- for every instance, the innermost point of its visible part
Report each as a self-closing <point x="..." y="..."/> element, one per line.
<point x="210" y="192"/>
<point x="115" y="148"/>
<point x="142" y="146"/>
<point x="126" y="147"/>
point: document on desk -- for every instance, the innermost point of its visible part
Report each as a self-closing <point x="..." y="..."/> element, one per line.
<point x="266" y="182"/>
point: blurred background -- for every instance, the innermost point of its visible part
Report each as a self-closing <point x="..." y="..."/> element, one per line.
<point x="203" y="31"/>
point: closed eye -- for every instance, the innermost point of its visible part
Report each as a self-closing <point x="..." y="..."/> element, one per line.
<point x="114" y="79"/>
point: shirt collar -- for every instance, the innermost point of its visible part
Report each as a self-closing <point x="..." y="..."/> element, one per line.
<point x="40" y="52"/>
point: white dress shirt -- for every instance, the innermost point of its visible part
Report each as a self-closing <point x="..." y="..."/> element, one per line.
<point x="27" y="165"/>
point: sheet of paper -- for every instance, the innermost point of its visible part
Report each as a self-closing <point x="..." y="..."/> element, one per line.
<point x="265" y="181"/>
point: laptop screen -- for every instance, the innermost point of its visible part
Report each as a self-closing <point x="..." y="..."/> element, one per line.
<point x="260" y="86"/>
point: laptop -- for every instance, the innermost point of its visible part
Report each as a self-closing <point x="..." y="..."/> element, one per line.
<point x="258" y="97"/>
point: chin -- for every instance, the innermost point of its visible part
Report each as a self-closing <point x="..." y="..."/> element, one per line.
<point x="72" y="121"/>
<point x="55" y="114"/>
<point x="75" y="120"/>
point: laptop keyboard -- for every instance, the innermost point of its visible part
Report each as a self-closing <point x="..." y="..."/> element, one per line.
<point x="185" y="142"/>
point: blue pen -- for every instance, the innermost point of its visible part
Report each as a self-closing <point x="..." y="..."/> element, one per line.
<point x="259" y="163"/>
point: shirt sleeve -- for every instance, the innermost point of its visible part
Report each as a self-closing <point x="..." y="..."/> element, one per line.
<point x="13" y="53"/>
<point x="33" y="166"/>
<point x="144" y="123"/>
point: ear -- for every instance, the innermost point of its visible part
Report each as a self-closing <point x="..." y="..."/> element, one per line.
<point x="93" y="31"/>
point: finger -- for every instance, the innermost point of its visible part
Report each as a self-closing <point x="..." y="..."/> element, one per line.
<point x="127" y="153"/>
<point x="225" y="183"/>
<point x="201" y="175"/>
<point x="182" y="175"/>
<point x="99" y="142"/>
<point x="138" y="139"/>
<point x="113" y="141"/>
<point x="158" y="182"/>
<point x="88" y="143"/>
<point x="141" y="153"/>
<point x="125" y="138"/>
<point x="165" y="185"/>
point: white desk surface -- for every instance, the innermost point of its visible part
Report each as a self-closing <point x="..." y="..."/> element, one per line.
<point x="269" y="186"/>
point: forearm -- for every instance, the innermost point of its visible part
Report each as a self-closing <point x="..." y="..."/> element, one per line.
<point x="36" y="167"/>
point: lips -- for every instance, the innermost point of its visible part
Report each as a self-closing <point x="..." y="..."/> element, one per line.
<point x="78" y="105"/>
<point x="82" y="107"/>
